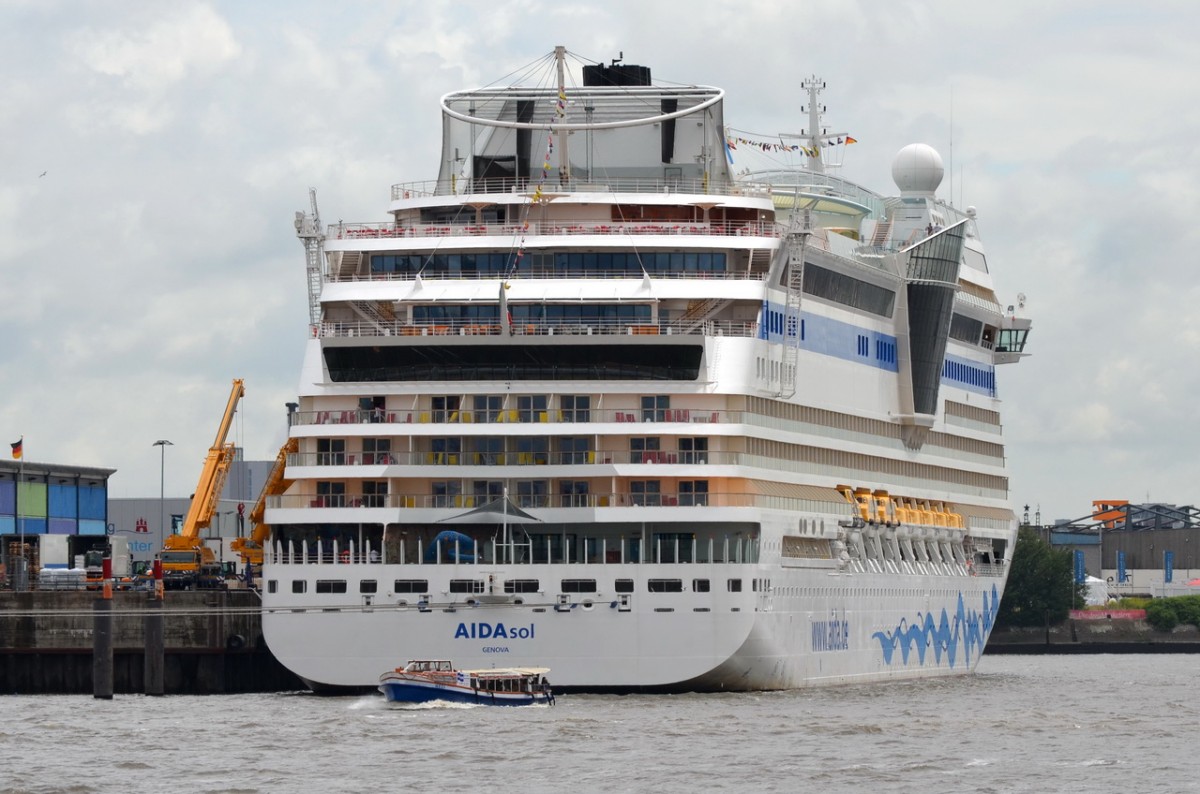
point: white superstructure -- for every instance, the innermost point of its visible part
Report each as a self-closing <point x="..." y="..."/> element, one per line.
<point x="590" y="401"/>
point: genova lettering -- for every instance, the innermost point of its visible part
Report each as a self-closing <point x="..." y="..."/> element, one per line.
<point x="493" y="631"/>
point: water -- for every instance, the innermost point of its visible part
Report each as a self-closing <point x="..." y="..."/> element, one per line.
<point x="1021" y="724"/>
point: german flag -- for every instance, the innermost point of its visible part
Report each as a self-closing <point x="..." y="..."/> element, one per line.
<point x="16" y="447"/>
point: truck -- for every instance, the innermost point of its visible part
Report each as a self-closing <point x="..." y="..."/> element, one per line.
<point x="187" y="561"/>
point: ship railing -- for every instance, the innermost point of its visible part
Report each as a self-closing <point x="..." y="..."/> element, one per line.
<point x="477" y="327"/>
<point x="356" y="231"/>
<point x="517" y="458"/>
<point x="535" y="271"/>
<point x="404" y="416"/>
<point x="486" y="548"/>
<point x="987" y="569"/>
<point x="459" y="501"/>
<point x="701" y="186"/>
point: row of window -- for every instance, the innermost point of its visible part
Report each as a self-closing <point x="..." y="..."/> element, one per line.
<point x="511" y="586"/>
<point x="535" y="313"/>
<point x="573" y="262"/>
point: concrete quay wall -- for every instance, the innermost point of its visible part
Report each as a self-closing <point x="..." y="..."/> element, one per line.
<point x="213" y="643"/>
<point x="1095" y="635"/>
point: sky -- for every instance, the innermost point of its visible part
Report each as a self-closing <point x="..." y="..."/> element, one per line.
<point x="154" y="154"/>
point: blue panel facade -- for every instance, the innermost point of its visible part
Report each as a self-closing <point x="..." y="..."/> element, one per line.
<point x="8" y="497"/>
<point x="93" y="500"/>
<point x="89" y="526"/>
<point x="62" y="526"/>
<point x="32" y="526"/>
<point x="63" y="501"/>
<point x="8" y="525"/>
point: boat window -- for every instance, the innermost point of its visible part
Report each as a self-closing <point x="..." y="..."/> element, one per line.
<point x="848" y="291"/>
<point x="664" y="585"/>
<point x="578" y="585"/>
<point x="466" y="585"/>
<point x="299" y="586"/>
<point x="521" y="586"/>
<point x="734" y="585"/>
<point x="331" y="585"/>
<point x="575" y="408"/>
<point x="368" y="586"/>
<point x="623" y="586"/>
<point x="411" y="586"/>
<point x="700" y="586"/>
<point x="272" y="586"/>
<point x="514" y="362"/>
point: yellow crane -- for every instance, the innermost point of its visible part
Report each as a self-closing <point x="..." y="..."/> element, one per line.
<point x="251" y="548"/>
<point x="186" y="561"/>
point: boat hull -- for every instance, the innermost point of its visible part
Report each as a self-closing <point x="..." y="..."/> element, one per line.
<point x="397" y="690"/>
<point x="813" y="628"/>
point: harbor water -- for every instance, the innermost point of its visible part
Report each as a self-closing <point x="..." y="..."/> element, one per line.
<point x="1021" y="724"/>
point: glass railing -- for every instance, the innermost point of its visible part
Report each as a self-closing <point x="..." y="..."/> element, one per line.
<point x="329" y="330"/>
<point x="357" y="231"/>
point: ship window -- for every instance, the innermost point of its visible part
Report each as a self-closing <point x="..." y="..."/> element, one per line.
<point x="299" y="586"/>
<point x="734" y="585"/>
<point x="376" y="451"/>
<point x="693" y="450"/>
<point x="331" y="585"/>
<point x="445" y="408"/>
<point x="594" y="362"/>
<point x="646" y="493"/>
<point x="573" y="493"/>
<point x="487" y="407"/>
<point x="533" y="493"/>
<point x="368" y="586"/>
<point x="374" y="493"/>
<point x="693" y="493"/>
<point x="533" y="450"/>
<point x="411" y="586"/>
<point x="272" y="586"/>
<point x="331" y="451"/>
<point x="654" y="408"/>
<point x="330" y="494"/>
<point x="664" y="585"/>
<point x="446" y="493"/>
<point x="644" y="450"/>
<point x="700" y="586"/>
<point x="466" y="585"/>
<point x="522" y="586"/>
<point x="532" y="408"/>
<point x="965" y="329"/>
<point x="575" y="407"/>
<point x="578" y="585"/>
<point x="623" y="585"/>
<point x="575" y="450"/>
<point x="840" y="288"/>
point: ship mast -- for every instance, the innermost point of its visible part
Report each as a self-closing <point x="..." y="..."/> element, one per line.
<point x="814" y="85"/>
<point x="564" y="160"/>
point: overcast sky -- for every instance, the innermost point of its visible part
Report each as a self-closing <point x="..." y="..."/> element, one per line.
<point x="152" y="156"/>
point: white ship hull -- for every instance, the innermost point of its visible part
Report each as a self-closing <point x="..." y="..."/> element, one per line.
<point x="925" y="625"/>
<point x="621" y="414"/>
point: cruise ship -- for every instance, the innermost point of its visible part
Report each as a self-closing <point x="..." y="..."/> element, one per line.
<point x="592" y="400"/>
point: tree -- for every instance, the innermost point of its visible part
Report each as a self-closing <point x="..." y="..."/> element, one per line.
<point x="1041" y="584"/>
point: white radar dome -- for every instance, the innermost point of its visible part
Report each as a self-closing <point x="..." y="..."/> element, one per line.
<point x="917" y="168"/>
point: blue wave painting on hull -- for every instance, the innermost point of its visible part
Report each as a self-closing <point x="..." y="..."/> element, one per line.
<point x="972" y="628"/>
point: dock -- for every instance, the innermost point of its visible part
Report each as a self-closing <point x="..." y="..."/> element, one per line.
<point x="212" y="638"/>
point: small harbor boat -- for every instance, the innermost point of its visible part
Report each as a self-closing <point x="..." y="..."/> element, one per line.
<point x="421" y="681"/>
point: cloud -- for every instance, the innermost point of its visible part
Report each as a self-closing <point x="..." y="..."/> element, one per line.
<point x="156" y="261"/>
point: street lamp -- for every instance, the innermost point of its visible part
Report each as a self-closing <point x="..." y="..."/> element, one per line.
<point x="162" y="445"/>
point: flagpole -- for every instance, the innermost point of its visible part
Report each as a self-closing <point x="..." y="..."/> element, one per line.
<point x="17" y="512"/>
